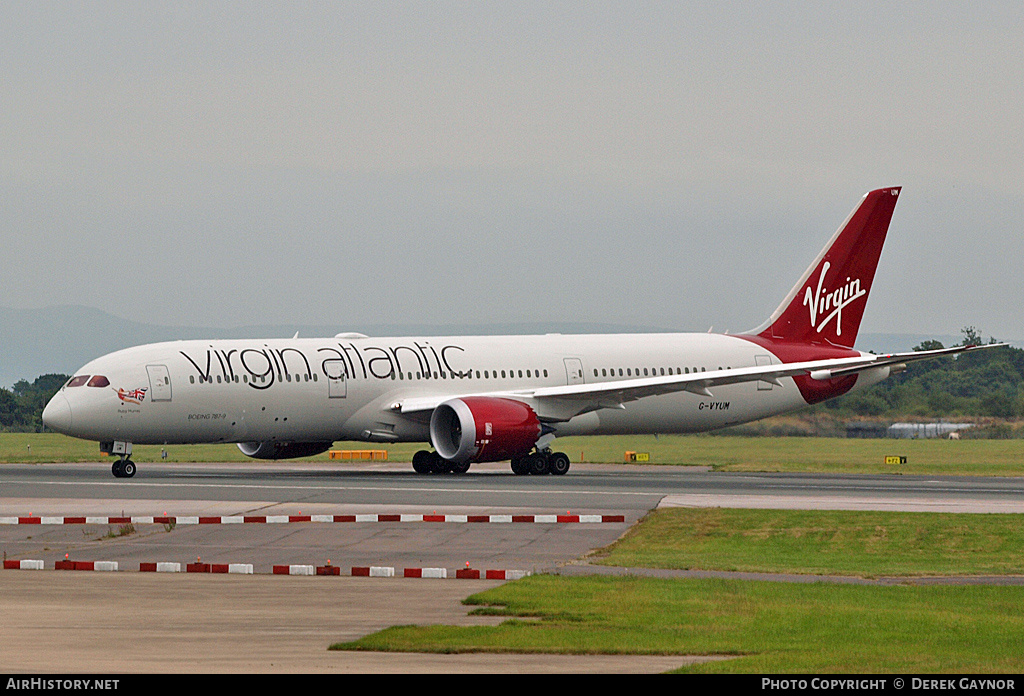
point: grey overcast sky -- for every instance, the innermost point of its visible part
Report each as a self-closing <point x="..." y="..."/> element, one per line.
<point x="658" y="164"/>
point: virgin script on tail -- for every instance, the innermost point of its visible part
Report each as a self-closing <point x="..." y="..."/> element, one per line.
<point x="818" y="302"/>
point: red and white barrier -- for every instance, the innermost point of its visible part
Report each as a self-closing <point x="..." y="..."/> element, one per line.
<point x="294" y="569"/>
<point x="373" y="572"/>
<point x="425" y="573"/>
<point x="102" y="566"/>
<point x="23" y="565"/>
<point x="291" y="519"/>
<point x="506" y="574"/>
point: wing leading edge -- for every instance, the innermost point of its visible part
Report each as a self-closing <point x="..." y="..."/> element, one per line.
<point x="564" y="402"/>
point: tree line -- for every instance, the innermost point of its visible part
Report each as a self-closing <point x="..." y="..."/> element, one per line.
<point x="21" y="407"/>
<point x="988" y="383"/>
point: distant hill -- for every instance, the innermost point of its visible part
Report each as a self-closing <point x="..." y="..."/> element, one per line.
<point x="61" y="339"/>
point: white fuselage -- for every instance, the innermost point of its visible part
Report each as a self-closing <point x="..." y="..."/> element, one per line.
<point x="343" y="388"/>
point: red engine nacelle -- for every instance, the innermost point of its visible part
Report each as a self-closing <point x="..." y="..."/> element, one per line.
<point x="483" y="429"/>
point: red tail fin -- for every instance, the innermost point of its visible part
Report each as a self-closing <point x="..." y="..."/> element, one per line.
<point x="827" y="304"/>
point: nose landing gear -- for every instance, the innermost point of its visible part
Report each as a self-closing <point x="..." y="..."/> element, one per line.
<point x="124" y="467"/>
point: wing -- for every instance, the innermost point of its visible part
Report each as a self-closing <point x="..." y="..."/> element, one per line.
<point x="564" y="402"/>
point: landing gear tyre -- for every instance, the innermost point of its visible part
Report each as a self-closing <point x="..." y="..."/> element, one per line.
<point x="538" y="464"/>
<point x="123" y="468"/>
<point x="421" y="462"/>
<point x="521" y="466"/>
<point x="458" y="469"/>
<point x="437" y="464"/>
<point x="558" y="463"/>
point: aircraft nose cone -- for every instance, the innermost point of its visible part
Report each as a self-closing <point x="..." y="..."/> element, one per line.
<point x="57" y="414"/>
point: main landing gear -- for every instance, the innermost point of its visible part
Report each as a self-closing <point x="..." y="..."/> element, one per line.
<point x="540" y="463"/>
<point x="536" y="464"/>
<point x="424" y="462"/>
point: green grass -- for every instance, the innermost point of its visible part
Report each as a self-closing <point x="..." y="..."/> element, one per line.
<point x="722" y="453"/>
<point x="53" y="447"/>
<point x="809" y="454"/>
<point x="768" y="627"/>
<point x="866" y="544"/>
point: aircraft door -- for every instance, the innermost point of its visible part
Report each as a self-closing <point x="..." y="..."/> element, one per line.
<point x="159" y="382"/>
<point x="337" y="384"/>
<point x="574" y="371"/>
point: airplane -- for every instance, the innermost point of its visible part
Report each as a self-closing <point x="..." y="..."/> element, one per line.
<point x="492" y="398"/>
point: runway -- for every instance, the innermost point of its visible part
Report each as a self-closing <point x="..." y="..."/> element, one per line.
<point x="621" y="492"/>
<point x="588" y="486"/>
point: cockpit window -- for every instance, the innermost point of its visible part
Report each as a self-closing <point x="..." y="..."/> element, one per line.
<point x="99" y="381"/>
<point x="77" y="381"/>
